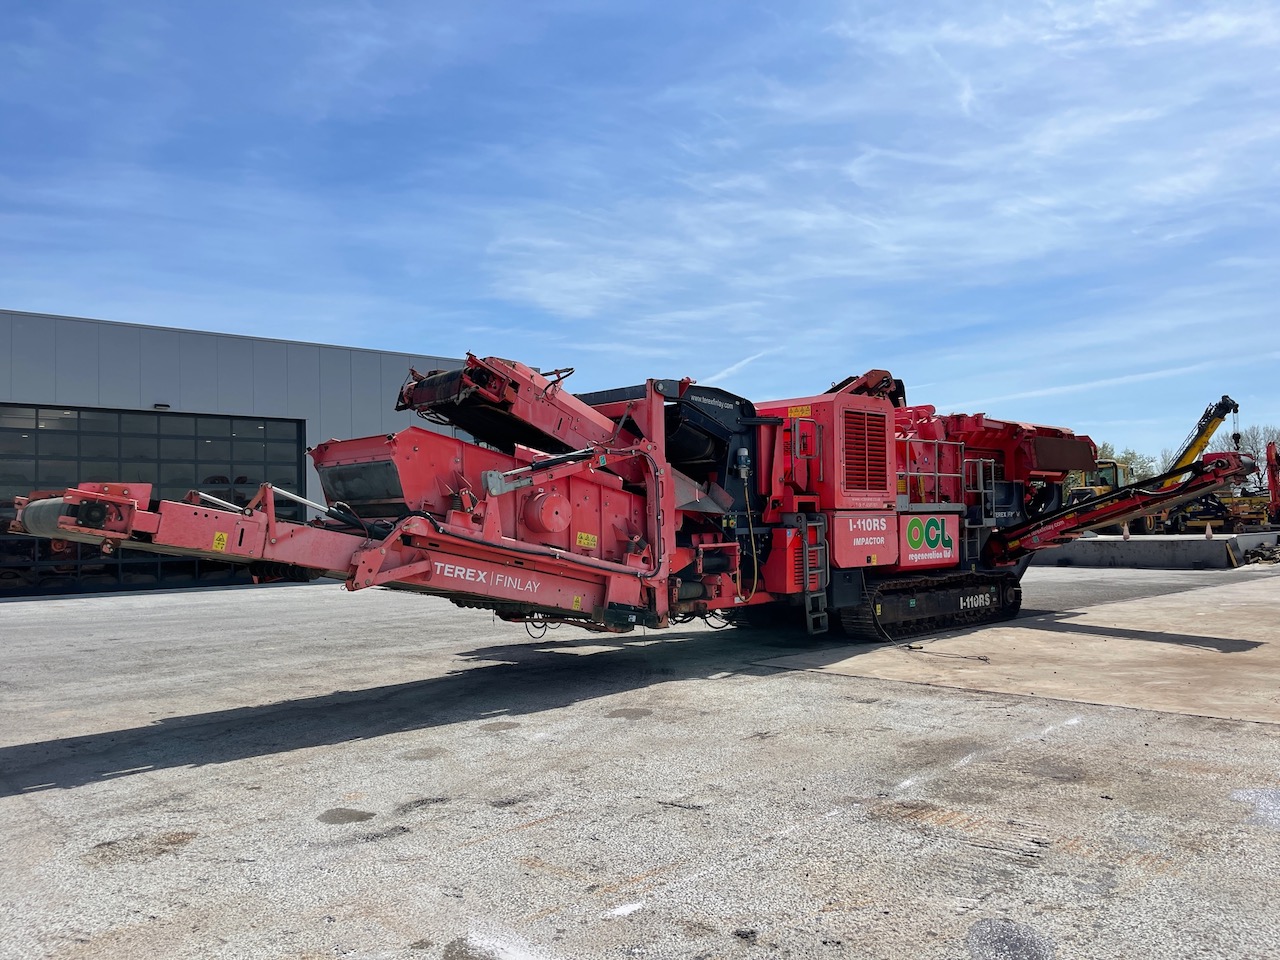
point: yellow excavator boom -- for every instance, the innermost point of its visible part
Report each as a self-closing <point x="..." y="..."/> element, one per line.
<point x="1198" y="440"/>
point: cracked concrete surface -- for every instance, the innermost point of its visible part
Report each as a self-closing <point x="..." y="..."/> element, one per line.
<point x="299" y="772"/>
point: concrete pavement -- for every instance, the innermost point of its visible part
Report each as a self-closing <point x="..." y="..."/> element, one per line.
<point x="299" y="772"/>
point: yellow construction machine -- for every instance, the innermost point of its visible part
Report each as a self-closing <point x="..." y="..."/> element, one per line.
<point x="1111" y="474"/>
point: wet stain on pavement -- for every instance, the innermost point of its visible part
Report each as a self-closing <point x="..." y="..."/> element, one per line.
<point x="994" y="939"/>
<point x="377" y="835"/>
<point x="1062" y="772"/>
<point x="344" y="815"/>
<point x="424" y="753"/>
<point x="500" y="725"/>
<point x="464" y="949"/>
<point x="629" y="713"/>
<point x="138" y="849"/>
<point x="420" y="803"/>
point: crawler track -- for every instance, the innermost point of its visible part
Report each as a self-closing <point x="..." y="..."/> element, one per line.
<point x="945" y="602"/>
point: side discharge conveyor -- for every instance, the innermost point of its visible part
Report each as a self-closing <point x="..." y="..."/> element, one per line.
<point x="656" y="503"/>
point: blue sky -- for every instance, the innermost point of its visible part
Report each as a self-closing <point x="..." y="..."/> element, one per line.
<point x="1052" y="212"/>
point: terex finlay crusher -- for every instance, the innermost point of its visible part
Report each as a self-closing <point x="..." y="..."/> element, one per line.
<point x="652" y="504"/>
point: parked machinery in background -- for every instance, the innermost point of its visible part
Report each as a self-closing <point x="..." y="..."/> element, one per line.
<point x="1255" y="507"/>
<point x="1273" y="481"/>
<point x="1112" y="474"/>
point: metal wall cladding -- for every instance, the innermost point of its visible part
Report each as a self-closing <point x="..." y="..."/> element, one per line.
<point x="120" y="367"/>
<point x="160" y="375"/>
<point x="270" y="393"/>
<point x="6" y="356"/>
<point x="339" y="391"/>
<point x="369" y="402"/>
<point x="32" y="360"/>
<point x="75" y="370"/>
<point x="198" y="364"/>
<point x="235" y="376"/>
<point x="335" y="399"/>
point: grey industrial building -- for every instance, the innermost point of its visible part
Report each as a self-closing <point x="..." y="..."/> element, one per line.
<point x="84" y="400"/>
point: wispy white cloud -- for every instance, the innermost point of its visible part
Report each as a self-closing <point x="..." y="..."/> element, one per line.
<point x="733" y="368"/>
<point x="1069" y="199"/>
<point x="1086" y="386"/>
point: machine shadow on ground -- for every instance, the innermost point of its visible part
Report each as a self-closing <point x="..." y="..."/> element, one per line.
<point x="513" y="679"/>
<point x="1055" y="622"/>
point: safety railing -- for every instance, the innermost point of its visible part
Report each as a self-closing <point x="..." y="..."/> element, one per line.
<point x="922" y="480"/>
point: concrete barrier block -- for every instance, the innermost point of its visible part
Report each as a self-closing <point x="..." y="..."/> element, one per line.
<point x="1188" y="552"/>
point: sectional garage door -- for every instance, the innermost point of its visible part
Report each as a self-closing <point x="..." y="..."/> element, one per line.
<point x="43" y="448"/>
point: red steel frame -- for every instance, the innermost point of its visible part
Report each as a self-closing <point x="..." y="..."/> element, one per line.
<point x="584" y="550"/>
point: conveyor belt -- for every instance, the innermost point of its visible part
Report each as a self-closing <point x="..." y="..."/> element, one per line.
<point x="449" y="397"/>
<point x="1119" y="506"/>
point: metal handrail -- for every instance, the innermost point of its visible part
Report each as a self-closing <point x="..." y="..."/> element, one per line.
<point x="937" y="474"/>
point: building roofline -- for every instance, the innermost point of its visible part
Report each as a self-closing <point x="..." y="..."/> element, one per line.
<point x="215" y="333"/>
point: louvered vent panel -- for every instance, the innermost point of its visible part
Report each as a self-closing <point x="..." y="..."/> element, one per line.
<point x="797" y="571"/>
<point x="865" y="446"/>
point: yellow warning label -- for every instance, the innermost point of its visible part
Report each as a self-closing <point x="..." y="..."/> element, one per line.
<point x="577" y="603"/>
<point x="804" y="410"/>
<point x="875" y="559"/>
<point x="588" y="540"/>
<point x="220" y="541"/>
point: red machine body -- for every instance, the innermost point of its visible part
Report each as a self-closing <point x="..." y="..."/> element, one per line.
<point x="652" y="504"/>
